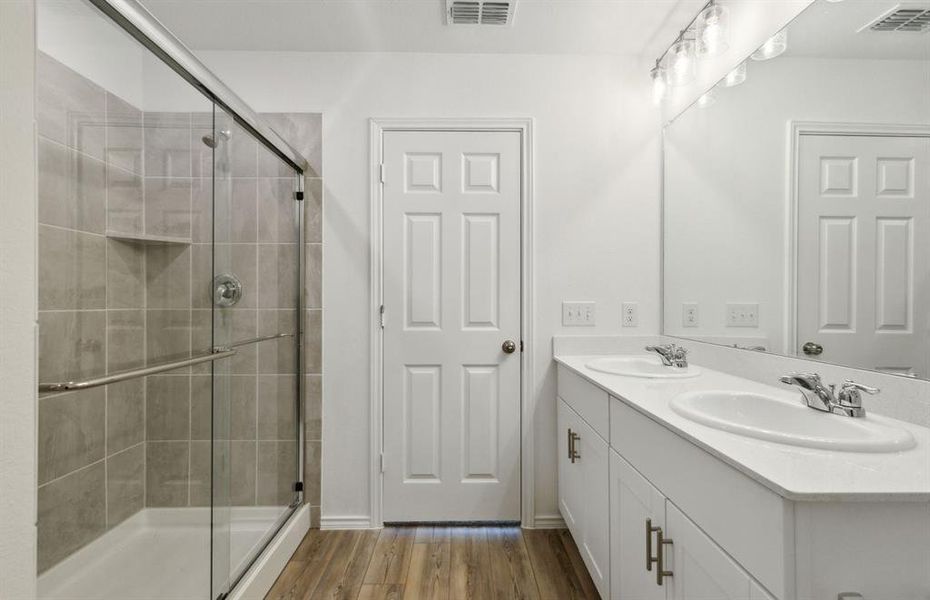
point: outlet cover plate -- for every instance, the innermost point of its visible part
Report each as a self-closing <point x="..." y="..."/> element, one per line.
<point x="689" y="314"/>
<point x="629" y="316"/>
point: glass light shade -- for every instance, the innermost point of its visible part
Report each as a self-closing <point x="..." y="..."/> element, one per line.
<point x="773" y="46"/>
<point x="659" y="87"/>
<point x="680" y="67"/>
<point x="706" y="99"/>
<point x="736" y="76"/>
<point x="713" y="30"/>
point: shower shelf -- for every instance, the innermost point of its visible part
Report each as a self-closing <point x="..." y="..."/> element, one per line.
<point x="149" y="240"/>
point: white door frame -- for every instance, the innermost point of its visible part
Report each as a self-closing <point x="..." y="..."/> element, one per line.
<point x="523" y="126"/>
<point x="796" y="129"/>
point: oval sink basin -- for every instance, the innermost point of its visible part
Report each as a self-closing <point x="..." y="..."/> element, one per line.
<point x="772" y="419"/>
<point x="641" y="366"/>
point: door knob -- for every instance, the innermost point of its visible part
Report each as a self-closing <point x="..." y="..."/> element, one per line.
<point x="509" y="346"/>
<point x="812" y="349"/>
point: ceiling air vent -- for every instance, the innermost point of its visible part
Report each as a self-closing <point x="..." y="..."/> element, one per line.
<point x="477" y="12"/>
<point x="914" y="19"/>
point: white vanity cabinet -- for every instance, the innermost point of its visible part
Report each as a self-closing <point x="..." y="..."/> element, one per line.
<point x="731" y="536"/>
<point x="583" y="479"/>
<point x="640" y="519"/>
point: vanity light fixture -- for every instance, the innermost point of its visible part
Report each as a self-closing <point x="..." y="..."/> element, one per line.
<point x="713" y="30"/>
<point x="708" y="34"/>
<point x="736" y="76"/>
<point x="659" y="87"/>
<point x="774" y="46"/>
<point x="680" y="69"/>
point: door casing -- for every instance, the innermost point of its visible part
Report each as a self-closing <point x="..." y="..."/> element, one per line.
<point x="523" y="126"/>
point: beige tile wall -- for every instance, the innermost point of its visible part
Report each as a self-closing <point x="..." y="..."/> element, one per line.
<point x="108" y="305"/>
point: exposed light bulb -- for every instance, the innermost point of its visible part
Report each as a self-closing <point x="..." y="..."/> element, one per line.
<point x="706" y="99"/>
<point x="713" y="30"/>
<point x="680" y="70"/>
<point x="774" y="46"/>
<point x="736" y="76"/>
<point x="659" y="87"/>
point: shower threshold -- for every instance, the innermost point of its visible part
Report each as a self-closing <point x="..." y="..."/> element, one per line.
<point x="159" y="553"/>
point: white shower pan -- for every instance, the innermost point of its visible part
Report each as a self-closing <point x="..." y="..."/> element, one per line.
<point x="159" y="553"/>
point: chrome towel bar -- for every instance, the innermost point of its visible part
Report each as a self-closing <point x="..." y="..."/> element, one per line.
<point x="263" y="338"/>
<point x="135" y="373"/>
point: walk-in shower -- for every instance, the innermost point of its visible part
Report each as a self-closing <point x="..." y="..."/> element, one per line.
<point x="169" y="302"/>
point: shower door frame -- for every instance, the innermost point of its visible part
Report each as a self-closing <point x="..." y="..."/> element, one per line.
<point x="140" y="24"/>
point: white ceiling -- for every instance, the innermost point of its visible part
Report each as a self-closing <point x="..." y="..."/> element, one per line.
<point x="832" y="30"/>
<point x="626" y="27"/>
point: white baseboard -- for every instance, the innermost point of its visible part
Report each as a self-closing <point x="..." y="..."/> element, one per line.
<point x="346" y="522"/>
<point x="259" y="579"/>
<point x="549" y="522"/>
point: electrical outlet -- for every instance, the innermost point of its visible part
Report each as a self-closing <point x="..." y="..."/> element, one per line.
<point x="689" y="314"/>
<point x="576" y="314"/>
<point x="630" y="316"/>
<point x="742" y="315"/>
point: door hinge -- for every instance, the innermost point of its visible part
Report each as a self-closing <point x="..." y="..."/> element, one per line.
<point x="521" y="345"/>
<point x="382" y="462"/>
<point x="299" y="196"/>
<point x="381" y="315"/>
<point x="381" y="172"/>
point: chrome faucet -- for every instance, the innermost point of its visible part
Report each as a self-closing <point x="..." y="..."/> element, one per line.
<point x="672" y="355"/>
<point x="847" y="402"/>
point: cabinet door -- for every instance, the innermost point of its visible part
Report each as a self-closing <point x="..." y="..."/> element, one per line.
<point x="593" y="460"/>
<point x="700" y="569"/>
<point x="568" y="473"/>
<point x="633" y="501"/>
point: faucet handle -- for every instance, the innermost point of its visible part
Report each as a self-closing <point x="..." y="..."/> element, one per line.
<point x="850" y="385"/>
<point x="850" y="395"/>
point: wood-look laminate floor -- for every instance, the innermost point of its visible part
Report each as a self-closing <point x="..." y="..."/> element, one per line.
<point x="451" y="563"/>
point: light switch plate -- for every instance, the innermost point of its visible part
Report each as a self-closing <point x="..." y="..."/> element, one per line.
<point x="630" y="315"/>
<point x="689" y="314"/>
<point x="742" y="315"/>
<point x="578" y="314"/>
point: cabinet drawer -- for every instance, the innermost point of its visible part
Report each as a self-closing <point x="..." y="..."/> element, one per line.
<point x="588" y="400"/>
<point x="751" y="523"/>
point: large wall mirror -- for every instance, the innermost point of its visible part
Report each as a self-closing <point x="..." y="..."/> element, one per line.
<point x="797" y="194"/>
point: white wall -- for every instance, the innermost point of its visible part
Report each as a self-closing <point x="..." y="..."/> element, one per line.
<point x="726" y="178"/>
<point x="18" y="301"/>
<point x="596" y="181"/>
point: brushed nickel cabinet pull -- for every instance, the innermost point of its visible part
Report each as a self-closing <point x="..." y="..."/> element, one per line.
<point x="575" y="455"/>
<point x="649" y="531"/>
<point x="570" y="450"/>
<point x="660" y="556"/>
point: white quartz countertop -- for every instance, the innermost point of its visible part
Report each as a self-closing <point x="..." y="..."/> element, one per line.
<point x="793" y="472"/>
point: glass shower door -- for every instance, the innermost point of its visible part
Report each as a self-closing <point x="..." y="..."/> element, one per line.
<point x="256" y="275"/>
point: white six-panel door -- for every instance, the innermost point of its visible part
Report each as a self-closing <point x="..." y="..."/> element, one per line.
<point x="451" y="272"/>
<point x="863" y="244"/>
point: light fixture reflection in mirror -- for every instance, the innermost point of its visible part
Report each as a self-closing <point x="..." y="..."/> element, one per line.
<point x="680" y="70"/>
<point x="736" y="76"/>
<point x="659" y="87"/>
<point x="774" y="46"/>
<point x="713" y="30"/>
<point x="706" y="99"/>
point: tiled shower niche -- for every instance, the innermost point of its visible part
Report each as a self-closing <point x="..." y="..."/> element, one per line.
<point x="126" y="246"/>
